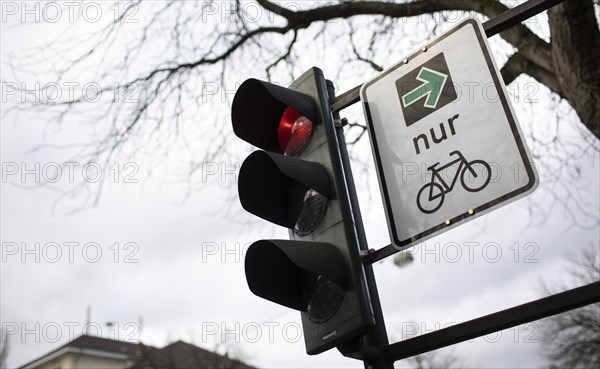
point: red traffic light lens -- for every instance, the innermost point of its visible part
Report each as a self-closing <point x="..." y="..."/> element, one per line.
<point x="294" y="132"/>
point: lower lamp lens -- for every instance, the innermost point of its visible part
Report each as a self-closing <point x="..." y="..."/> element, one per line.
<point x="321" y="297"/>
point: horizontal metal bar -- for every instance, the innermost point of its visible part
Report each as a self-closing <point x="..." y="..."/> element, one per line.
<point x="517" y="15"/>
<point x="346" y="99"/>
<point x="492" y="27"/>
<point x="538" y="309"/>
<point x="375" y="255"/>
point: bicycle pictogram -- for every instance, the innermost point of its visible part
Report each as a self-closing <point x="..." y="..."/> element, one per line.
<point x="474" y="176"/>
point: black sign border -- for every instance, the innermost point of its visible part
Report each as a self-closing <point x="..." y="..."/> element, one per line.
<point x="509" y="116"/>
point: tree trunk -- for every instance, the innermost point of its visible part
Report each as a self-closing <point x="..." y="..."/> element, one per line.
<point x="576" y="58"/>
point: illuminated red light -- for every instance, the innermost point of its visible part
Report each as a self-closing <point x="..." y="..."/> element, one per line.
<point x="294" y="132"/>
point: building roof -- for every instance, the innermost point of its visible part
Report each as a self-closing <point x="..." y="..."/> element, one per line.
<point x="182" y="355"/>
<point x="107" y="344"/>
<point x="95" y="346"/>
<point x="178" y="355"/>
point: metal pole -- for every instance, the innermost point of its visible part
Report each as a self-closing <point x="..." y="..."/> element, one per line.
<point x="378" y="337"/>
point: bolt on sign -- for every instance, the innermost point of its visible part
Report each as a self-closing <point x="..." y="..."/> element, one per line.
<point x="446" y="142"/>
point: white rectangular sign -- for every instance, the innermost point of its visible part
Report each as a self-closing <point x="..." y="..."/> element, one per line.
<point x="446" y="141"/>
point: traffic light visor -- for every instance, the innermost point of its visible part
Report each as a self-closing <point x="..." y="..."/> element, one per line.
<point x="258" y="108"/>
<point x="276" y="270"/>
<point x="287" y="191"/>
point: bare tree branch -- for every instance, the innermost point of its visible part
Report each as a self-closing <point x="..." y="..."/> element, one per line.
<point x="517" y="64"/>
<point x="196" y="57"/>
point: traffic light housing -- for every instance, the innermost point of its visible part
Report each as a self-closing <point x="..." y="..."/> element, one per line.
<point x="298" y="182"/>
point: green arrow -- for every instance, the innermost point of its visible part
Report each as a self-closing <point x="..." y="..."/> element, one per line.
<point x="433" y="83"/>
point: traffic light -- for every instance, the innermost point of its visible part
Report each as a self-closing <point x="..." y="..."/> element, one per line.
<point x="298" y="182"/>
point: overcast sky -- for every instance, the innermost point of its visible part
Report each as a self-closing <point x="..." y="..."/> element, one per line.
<point x="163" y="266"/>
